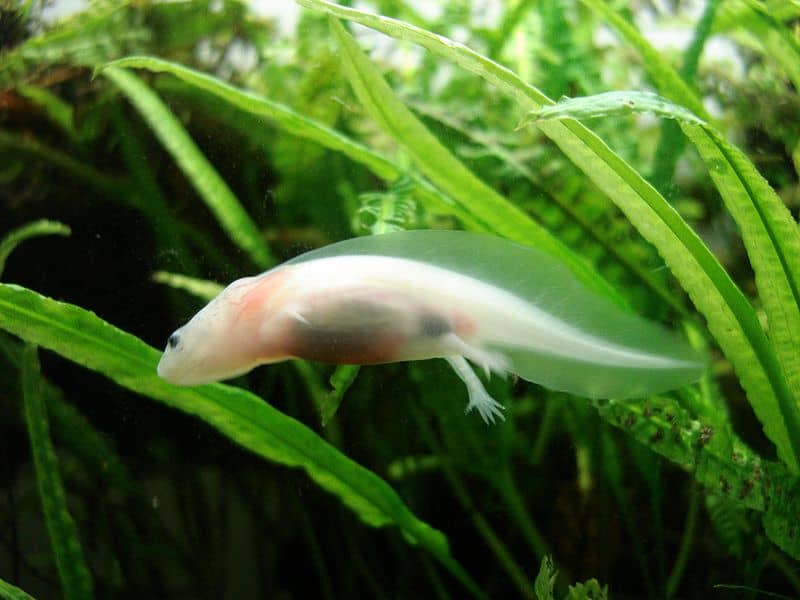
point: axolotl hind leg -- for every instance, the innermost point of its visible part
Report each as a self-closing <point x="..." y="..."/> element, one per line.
<point x="479" y="398"/>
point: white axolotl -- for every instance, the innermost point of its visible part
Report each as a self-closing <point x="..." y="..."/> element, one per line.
<point x="416" y="295"/>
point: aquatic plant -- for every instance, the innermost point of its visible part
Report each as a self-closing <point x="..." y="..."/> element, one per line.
<point x="194" y="141"/>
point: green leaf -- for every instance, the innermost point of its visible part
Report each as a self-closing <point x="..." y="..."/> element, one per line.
<point x="27" y="147"/>
<point x="82" y="337"/>
<point x="287" y="118"/>
<point x="545" y="580"/>
<point x="59" y="111"/>
<point x="611" y="104"/>
<point x="782" y="518"/>
<point x="671" y="143"/>
<point x="589" y="590"/>
<point x="769" y="232"/>
<point x="34" y="229"/>
<point x="663" y="74"/>
<point x="85" y="39"/>
<point x="730" y="317"/>
<point x="202" y="288"/>
<point x="758" y="27"/>
<point x="201" y="173"/>
<point x="294" y="123"/>
<point x="719" y="461"/>
<point x="772" y="240"/>
<point x="341" y="380"/>
<point x="76" y="582"/>
<point x="494" y="213"/>
<point x="10" y="592"/>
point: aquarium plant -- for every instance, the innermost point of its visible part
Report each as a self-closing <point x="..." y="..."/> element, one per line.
<point x="151" y="153"/>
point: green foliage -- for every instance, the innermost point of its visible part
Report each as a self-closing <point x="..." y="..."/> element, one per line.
<point x="82" y="337"/>
<point x="546" y="579"/>
<point x="19" y="235"/>
<point x="10" y="592"/>
<point x="769" y="233"/>
<point x="76" y="582"/>
<point x="212" y="143"/>
<point x="219" y="198"/>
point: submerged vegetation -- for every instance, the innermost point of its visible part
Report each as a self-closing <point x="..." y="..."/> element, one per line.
<point x="150" y="152"/>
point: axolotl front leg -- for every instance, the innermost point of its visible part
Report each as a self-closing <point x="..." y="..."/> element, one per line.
<point x="371" y="329"/>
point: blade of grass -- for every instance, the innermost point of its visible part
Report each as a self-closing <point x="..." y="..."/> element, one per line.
<point x="730" y="317"/>
<point x="504" y="556"/>
<point x="217" y="195"/>
<point x="296" y="124"/>
<point x="202" y="288"/>
<point x="34" y="229"/>
<point x="341" y="380"/>
<point x="146" y="192"/>
<point x="671" y="142"/>
<point x="669" y="83"/>
<point x="56" y="109"/>
<point x="496" y="214"/>
<point x="76" y="582"/>
<point x="768" y="230"/>
<point x="30" y="148"/>
<point x="10" y="592"/>
<point x="603" y="238"/>
<point x="82" y="337"/>
<point x="764" y="33"/>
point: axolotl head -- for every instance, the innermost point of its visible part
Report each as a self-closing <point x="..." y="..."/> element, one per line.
<point x="225" y="338"/>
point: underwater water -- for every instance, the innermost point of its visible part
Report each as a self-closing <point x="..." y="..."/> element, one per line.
<point x="636" y="313"/>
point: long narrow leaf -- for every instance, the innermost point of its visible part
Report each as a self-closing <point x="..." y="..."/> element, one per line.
<point x="475" y="203"/>
<point x="34" y="229"/>
<point x="671" y="142"/>
<point x="10" y="592"/>
<point x="82" y="337"/>
<point x="497" y="214"/>
<point x="208" y="183"/>
<point x="669" y="83"/>
<point x="76" y="582"/>
<point x="25" y="147"/>
<point x="769" y="232"/>
<point x="731" y="318"/>
<point x="296" y="124"/>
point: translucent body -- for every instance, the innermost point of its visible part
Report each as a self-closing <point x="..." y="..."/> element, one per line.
<point x="426" y="294"/>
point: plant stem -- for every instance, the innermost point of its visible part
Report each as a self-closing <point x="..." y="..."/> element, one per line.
<point x="674" y="579"/>
<point x="492" y="540"/>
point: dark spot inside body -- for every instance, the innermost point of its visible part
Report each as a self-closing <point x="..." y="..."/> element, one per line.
<point x="630" y="421"/>
<point x="351" y="331"/>
<point x="173" y="340"/>
<point x="724" y="484"/>
<point x="657" y="436"/>
<point x="431" y="325"/>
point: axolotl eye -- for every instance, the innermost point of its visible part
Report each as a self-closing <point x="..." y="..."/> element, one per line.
<point x="173" y="340"/>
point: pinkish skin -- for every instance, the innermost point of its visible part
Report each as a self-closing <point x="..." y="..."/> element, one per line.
<point x="366" y="316"/>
